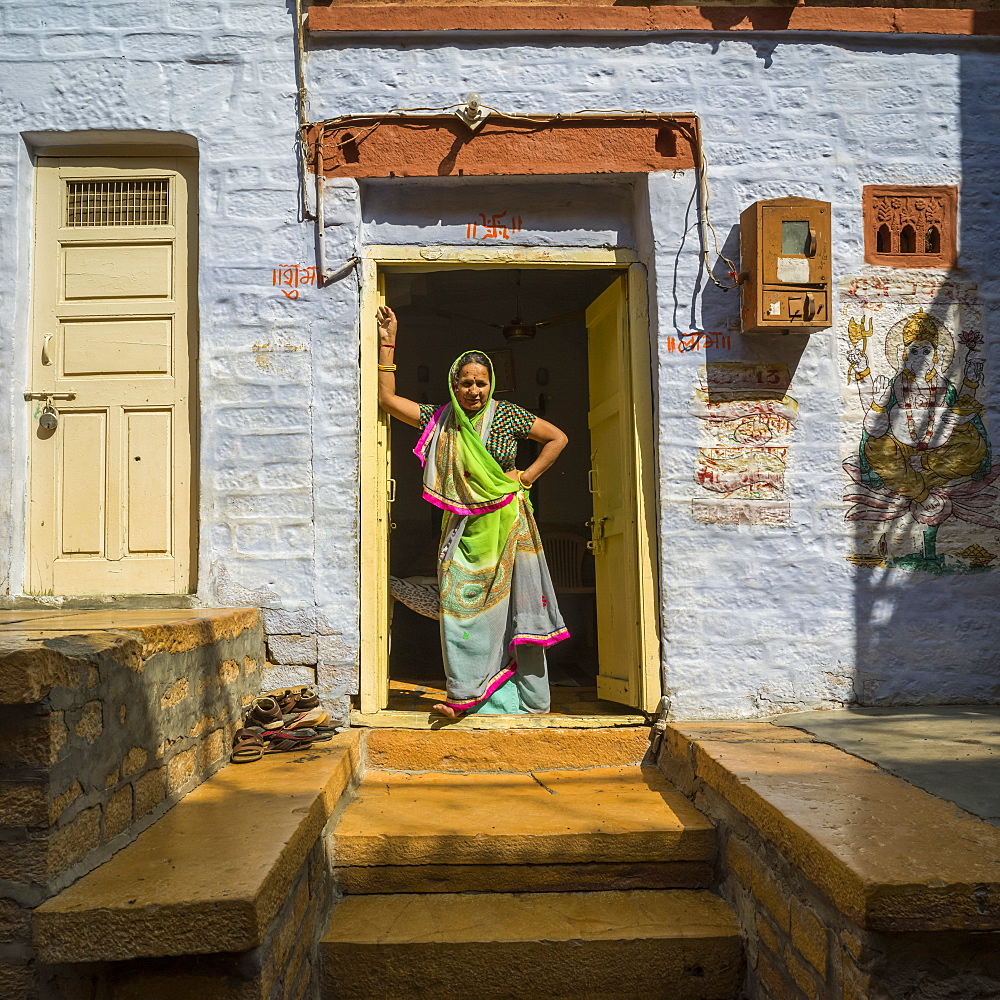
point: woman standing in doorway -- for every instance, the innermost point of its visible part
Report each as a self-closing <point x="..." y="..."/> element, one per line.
<point x="498" y="610"/>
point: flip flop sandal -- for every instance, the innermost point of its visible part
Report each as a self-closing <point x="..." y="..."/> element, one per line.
<point x="248" y="747"/>
<point x="300" y="735"/>
<point x="306" y="720"/>
<point x="285" y="739"/>
<point x="266" y="713"/>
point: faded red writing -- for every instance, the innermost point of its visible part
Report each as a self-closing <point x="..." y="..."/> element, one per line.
<point x="493" y="227"/>
<point x="899" y="288"/>
<point x="700" y="341"/>
<point x="290" y="277"/>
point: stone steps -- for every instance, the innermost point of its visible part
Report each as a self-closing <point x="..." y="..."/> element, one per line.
<point x="583" y="882"/>
<point x="581" y="945"/>
<point x="517" y="751"/>
<point x="215" y="875"/>
<point x="597" y="828"/>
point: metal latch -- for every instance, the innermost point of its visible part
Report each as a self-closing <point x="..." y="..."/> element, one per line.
<point x="596" y="525"/>
<point x="49" y="418"/>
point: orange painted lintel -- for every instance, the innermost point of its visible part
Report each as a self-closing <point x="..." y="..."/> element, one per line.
<point x="601" y="16"/>
<point x="442" y="146"/>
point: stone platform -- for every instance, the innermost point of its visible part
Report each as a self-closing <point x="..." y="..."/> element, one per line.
<point x="108" y="718"/>
<point x="848" y="881"/>
<point x="951" y="751"/>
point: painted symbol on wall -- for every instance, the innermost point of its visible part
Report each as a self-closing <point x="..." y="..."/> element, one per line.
<point x="746" y="422"/>
<point x="291" y="277"/>
<point x="698" y="341"/>
<point x="922" y="463"/>
<point x="497" y="226"/>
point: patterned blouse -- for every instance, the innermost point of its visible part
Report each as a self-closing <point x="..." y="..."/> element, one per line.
<point x="510" y="423"/>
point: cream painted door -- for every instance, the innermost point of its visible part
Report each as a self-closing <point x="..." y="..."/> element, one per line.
<point x="110" y="504"/>
<point x="620" y="420"/>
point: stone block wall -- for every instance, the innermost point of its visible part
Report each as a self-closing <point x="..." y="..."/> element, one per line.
<point x="284" y="967"/>
<point x="109" y="735"/>
<point x="801" y="946"/>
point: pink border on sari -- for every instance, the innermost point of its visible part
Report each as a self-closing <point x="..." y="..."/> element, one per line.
<point x="420" y="447"/>
<point x="493" y="686"/>
<point x="551" y="639"/>
<point x="485" y="508"/>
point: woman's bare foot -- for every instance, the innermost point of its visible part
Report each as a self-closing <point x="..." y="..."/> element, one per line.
<point x="445" y="710"/>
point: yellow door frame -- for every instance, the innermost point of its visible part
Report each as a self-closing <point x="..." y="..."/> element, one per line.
<point x="376" y="487"/>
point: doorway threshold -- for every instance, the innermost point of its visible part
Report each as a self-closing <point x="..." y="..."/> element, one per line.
<point x="391" y="719"/>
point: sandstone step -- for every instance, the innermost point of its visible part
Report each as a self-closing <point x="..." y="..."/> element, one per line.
<point x="211" y="876"/>
<point x="600" y="828"/>
<point x="589" y="945"/>
<point x="503" y="750"/>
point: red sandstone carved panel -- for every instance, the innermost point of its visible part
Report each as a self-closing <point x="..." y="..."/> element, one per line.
<point x="911" y="225"/>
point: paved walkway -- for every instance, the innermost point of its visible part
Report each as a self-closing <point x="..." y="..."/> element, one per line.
<point x="951" y="751"/>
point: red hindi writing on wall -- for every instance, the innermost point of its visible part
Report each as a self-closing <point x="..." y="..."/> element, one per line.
<point x="699" y="341"/>
<point x="493" y="227"/>
<point x="290" y="277"/>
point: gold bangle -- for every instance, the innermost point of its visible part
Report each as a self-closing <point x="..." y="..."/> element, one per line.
<point x="386" y="368"/>
<point x="970" y="383"/>
<point x="877" y="408"/>
<point x="521" y="482"/>
<point x="858" y="376"/>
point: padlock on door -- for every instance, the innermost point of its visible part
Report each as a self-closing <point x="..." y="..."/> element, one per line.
<point x="49" y="420"/>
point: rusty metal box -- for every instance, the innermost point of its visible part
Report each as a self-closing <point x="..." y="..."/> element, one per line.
<point x="785" y="266"/>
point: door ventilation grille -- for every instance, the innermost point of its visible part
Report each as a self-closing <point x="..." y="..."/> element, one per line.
<point x="118" y="203"/>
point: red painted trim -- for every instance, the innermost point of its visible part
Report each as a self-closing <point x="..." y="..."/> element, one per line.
<point x="441" y="146"/>
<point x="601" y="16"/>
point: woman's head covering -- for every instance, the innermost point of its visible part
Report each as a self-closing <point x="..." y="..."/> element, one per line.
<point x="470" y="357"/>
<point x="460" y="475"/>
<point x="474" y="358"/>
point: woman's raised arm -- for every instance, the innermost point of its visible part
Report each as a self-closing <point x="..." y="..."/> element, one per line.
<point x="398" y="406"/>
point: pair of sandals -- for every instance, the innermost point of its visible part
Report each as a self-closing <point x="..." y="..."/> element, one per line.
<point x="251" y="742"/>
<point x="280" y="721"/>
<point x="288" y="709"/>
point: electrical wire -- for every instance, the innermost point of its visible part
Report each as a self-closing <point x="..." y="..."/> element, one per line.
<point x="705" y="226"/>
<point x="302" y="106"/>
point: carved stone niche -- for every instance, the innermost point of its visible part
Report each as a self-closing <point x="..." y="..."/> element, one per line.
<point x="911" y="225"/>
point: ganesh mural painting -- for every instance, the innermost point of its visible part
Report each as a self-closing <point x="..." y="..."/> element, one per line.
<point x="921" y="493"/>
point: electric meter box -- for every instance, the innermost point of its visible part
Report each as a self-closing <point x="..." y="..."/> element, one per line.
<point x="785" y="266"/>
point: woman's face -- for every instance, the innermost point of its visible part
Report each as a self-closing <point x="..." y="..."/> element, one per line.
<point x="473" y="387"/>
<point x="919" y="357"/>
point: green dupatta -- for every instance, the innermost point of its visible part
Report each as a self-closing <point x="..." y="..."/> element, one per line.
<point x="495" y="589"/>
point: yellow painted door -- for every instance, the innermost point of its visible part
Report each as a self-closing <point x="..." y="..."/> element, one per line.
<point x="110" y="503"/>
<point x="376" y="438"/>
<point x="620" y="420"/>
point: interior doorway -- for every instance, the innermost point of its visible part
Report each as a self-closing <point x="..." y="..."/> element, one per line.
<point x="591" y="507"/>
<point x="442" y="313"/>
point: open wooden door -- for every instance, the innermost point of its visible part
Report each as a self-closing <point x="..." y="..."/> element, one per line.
<point x="376" y="442"/>
<point x="621" y="448"/>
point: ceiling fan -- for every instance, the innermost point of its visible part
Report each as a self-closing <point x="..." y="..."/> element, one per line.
<point x="517" y="328"/>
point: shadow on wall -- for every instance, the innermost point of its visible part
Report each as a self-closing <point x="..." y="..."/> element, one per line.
<point x="921" y="501"/>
